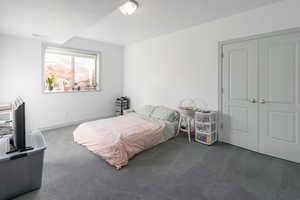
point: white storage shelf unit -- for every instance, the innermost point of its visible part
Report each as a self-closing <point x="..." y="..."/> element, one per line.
<point x="5" y="115"/>
<point x="206" y="127"/>
<point x="5" y="120"/>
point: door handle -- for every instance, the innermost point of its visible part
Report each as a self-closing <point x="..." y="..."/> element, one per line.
<point x="252" y="100"/>
<point x="262" y="101"/>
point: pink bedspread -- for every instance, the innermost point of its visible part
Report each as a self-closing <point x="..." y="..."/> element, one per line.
<point x="118" y="139"/>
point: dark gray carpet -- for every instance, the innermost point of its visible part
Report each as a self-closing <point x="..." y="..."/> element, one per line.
<point x="174" y="170"/>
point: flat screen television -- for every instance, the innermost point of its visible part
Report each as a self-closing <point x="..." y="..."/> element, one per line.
<point x="19" y="124"/>
<point x="19" y="129"/>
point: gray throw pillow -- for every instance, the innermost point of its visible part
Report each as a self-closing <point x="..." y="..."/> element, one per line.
<point x="164" y="113"/>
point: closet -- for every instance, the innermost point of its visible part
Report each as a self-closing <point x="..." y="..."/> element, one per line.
<point x="261" y="94"/>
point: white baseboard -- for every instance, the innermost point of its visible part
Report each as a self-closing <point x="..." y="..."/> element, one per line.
<point x="61" y="125"/>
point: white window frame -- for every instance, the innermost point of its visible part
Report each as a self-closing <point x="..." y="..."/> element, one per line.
<point x="70" y="51"/>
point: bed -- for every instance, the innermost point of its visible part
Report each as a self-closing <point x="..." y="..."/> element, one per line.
<point x="118" y="139"/>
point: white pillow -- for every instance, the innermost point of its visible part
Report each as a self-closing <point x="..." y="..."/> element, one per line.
<point x="164" y="113"/>
<point x="145" y="110"/>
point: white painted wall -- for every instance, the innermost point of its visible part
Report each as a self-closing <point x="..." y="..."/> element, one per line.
<point x="21" y="75"/>
<point x="184" y="64"/>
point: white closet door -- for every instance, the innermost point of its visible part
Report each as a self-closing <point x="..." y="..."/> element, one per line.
<point x="240" y="91"/>
<point x="279" y="87"/>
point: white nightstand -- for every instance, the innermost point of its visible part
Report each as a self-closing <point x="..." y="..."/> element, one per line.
<point x="186" y="120"/>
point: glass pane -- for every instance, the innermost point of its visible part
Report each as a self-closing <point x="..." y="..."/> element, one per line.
<point x="58" y="72"/>
<point x="85" y="73"/>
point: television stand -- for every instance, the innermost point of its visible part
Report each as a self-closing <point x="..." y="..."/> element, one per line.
<point x="20" y="150"/>
<point x="21" y="172"/>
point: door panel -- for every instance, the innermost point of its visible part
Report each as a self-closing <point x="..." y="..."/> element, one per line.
<point x="238" y="74"/>
<point x="240" y="79"/>
<point x="239" y="118"/>
<point x="282" y="70"/>
<point x="282" y="126"/>
<point x="279" y="87"/>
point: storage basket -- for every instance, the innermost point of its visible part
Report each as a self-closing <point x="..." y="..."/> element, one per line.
<point x="206" y="127"/>
<point x="206" y="138"/>
<point x="202" y="127"/>
<point x="21" y="172"/>
<point x="205" y="117"/>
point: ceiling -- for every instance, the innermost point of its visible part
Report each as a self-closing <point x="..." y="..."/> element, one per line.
<point x="54" y="20"/>
<point x="157" y="17"/>
<point x="60" y="20"/>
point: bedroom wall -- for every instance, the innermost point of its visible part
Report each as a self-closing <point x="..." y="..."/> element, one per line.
<point x="21" y="75"/>
<point x="184" y="64"/>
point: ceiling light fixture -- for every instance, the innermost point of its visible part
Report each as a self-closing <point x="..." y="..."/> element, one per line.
<point x="129" y="7"/>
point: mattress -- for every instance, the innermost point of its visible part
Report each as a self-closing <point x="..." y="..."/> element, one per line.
<point x="118" y="139"/>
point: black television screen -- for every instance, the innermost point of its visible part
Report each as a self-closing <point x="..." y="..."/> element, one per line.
<point x="19" y="124"/>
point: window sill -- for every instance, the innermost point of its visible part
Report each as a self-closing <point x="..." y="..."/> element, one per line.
<point x="70" y="92"/>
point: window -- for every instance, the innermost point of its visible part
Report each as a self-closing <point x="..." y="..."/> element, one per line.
<point x="67" y="70"/>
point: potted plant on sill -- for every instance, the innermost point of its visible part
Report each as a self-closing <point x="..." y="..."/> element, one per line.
<point x="51" y="82"/>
